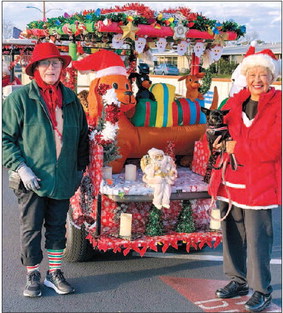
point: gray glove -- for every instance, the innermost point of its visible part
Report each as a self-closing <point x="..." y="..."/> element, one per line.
<point x="28" y="177"/>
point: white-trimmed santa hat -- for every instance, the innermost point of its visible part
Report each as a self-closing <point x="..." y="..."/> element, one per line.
<point x="265" y="58"/>
<point x="104" y="62"/>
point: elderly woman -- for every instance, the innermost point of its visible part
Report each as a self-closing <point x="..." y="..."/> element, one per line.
<point x="45" y="148"/>
<point x="254" y="189"/>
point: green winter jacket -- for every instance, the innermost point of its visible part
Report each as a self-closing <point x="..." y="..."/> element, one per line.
<point x="28" y="137"/>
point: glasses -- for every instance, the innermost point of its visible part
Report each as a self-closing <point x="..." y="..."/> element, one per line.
<point x="46" y="63"/>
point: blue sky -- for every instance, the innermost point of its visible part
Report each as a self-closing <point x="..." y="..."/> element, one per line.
<point x="262" y="17"/>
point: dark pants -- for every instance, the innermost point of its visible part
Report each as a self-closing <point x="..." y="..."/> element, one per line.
<point x="247" y="246"/>
<point x="34" y="211"/>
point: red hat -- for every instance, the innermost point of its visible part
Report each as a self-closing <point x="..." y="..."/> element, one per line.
<point x="44" y="51"/>
<point x="251" y="49"/>
<point x="265" y="58"/>
<point x="104" y="62"/>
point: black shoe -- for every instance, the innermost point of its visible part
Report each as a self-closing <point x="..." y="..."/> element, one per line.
<point x="258" y="301"/>
<point x="233" y="289"/>
<point x="57" y="281"/>
<point x="32" y="288"/>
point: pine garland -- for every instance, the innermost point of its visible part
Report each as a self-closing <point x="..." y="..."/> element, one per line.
<point x="206" y="81"/>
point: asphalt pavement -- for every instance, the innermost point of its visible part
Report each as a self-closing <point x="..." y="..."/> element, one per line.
<point x="172" y="282"/>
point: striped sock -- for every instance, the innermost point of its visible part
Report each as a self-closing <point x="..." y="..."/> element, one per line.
<point x="32" y="268"/>
<point x="54" y="259"/>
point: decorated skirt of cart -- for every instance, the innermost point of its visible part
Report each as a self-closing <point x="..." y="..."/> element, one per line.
<point x="118" y="214"/>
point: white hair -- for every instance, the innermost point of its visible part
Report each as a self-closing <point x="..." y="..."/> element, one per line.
<point x="263" y="60"/>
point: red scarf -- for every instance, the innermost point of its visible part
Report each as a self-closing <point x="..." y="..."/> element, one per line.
<point x="52" y="96"/>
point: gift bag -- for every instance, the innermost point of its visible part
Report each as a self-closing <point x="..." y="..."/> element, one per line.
<point x="201" y="156"/>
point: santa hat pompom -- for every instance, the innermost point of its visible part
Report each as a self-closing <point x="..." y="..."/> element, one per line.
<point x="265" y="58"/>
<point x="251" y="49"/>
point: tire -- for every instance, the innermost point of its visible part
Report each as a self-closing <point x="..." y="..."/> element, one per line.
<point x="78" y="249"/>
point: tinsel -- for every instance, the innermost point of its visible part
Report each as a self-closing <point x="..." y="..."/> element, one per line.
<point x="169" y="150"/>
<point x="154" y="226"/>
<point x="185" y="221"/>
<point x="106" y="131"/>
<point x="86" y="21"/>
<point x="69" y="78"/>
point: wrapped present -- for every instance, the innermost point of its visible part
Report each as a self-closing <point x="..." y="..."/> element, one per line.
<point x="145" y="113"/>
<point x="201" y="156"/>
<point x="187" y="112"/>
<point x="199" y="212"/>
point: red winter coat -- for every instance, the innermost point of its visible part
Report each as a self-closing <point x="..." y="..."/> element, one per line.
<point x="257" y="181"/>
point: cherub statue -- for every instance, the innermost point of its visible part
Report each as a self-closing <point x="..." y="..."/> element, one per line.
<point x="159" y="173"/>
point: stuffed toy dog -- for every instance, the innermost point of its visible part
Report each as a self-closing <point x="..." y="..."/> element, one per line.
<point x="143" y="83"/>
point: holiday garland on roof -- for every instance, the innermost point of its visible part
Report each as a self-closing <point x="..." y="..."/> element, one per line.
<point x="88" y="21"/>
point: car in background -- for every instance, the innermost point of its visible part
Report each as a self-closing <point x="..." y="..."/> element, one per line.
<point x="166" y="69"/>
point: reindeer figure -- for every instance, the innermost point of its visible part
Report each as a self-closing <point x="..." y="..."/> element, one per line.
<point x="192" y="85"/>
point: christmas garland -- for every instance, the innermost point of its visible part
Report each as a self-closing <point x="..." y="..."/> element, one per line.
<point x="85" y="21"/>
<point x="106" y="131"/>
<point x="206" y="81"/>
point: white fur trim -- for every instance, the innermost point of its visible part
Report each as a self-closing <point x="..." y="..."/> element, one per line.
<point x="246" y="120"/>
<point x="112" y="70"/>
<point x="260" y="60"/>
<point x="232" y="185"/>
<point x="244" y="206"/>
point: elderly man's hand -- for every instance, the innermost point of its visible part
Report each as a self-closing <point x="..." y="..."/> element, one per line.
<point x="28" y="177"/>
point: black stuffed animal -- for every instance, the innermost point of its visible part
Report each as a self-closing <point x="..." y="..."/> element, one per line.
<point x="215" y="128"/>
<point x="143" y="82"/>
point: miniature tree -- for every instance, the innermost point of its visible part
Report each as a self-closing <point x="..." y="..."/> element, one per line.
<point x="154" y="226"/>
<point x="185" y="222"/>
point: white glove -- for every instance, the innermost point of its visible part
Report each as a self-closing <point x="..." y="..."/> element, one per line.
<point x="28" y="177"/>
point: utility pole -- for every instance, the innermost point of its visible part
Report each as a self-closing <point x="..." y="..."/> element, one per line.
<point x="43" y="10"/>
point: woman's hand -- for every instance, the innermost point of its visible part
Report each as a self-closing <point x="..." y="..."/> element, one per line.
<point x="228" y="147"/>
<point x="216" y="145"/>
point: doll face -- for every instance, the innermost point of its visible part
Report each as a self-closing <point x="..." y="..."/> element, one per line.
<point x="161" y="44"/>
<point x="117" y="41"/>
<point x="140" y="44"/>
<point x="199" y="49"/>
<point x="259" y="79"/>
<point x="215" y="53"/>
<point x="158" y="157"/>
<point x="182" y="47"/>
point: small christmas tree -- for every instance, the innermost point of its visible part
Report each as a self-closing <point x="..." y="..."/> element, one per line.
<point x="154" y="226"/>
<point x="185" y="222"/>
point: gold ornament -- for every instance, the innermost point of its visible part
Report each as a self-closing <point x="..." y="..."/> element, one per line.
<point x="219" y="39"/>
<point x="129" y="31"/>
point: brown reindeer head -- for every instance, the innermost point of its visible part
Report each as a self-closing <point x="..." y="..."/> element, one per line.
<point x="192" y="85"/>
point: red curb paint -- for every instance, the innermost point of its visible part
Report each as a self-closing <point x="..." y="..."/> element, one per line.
<point x="201" y="292"/>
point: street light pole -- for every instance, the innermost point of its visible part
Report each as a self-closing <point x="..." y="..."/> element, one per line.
<point x="43" y="10"/>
